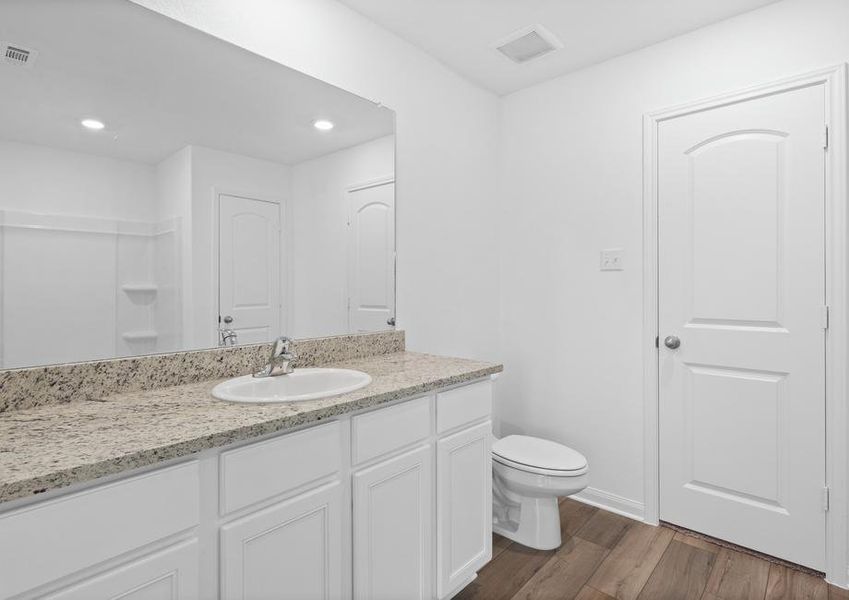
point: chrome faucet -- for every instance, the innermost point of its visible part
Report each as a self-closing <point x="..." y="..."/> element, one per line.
<point x="228" y="337"/>
<point x="281" y="360"/>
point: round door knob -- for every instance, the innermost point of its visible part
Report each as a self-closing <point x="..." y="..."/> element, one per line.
<point x="672" y="342"/>
<point x="228" y="319"/>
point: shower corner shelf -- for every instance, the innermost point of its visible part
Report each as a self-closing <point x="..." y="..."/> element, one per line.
<point x="140" y="336"/>
<point x="141" y="288"/>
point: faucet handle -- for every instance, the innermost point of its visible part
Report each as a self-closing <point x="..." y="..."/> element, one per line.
<point x="281" y="345"/>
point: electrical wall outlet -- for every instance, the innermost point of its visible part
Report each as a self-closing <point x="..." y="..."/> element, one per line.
<point x="611" y="260"/>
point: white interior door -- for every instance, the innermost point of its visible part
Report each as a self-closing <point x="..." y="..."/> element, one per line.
<point x="371" y="265"/>
<point x="249" y="268"/>
<point x="741" y="284"/>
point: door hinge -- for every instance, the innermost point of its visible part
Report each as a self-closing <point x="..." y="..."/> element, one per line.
<point x="826" y="316"/>
<point x="827" y="136"/>
<point x="657" y="342"/>
<point x="826" y="498"/>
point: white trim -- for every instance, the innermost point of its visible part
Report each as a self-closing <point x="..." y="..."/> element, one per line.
<point x="386" y="179"/>
<point x="837" y="356"/>
<point x="612" y="503"/>
<point x="837" y="382"/>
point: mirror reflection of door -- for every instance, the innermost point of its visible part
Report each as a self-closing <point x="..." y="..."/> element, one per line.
<point x="371" y="257"/>
<point x="249" y="270"/>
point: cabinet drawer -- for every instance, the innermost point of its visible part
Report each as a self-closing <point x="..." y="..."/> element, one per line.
<point x="65" y="535"/>
<point x="263" y="470"/>
<point x="463" y="405"/>
<point x="387" y="429"/>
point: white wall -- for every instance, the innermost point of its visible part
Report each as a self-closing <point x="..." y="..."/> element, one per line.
<point x="173" y="258"/>
<point x="215" y="172"/>
<point x="319" y="210"/>
<point x="82" y="227"/>
<point x="572" y="177"/>
<point x="446" y="161"/>
<point x="50" y="180"/>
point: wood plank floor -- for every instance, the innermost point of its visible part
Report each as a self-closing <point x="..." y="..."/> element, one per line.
<point x="605" y="556"/>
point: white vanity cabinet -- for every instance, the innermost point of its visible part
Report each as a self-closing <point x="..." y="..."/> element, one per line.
<point x="392" y="493"/>
<point x="463" y="485"/>
<point x="392" y="503"/>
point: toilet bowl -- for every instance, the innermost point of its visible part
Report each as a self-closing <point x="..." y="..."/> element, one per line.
<point x="528" y="476"/>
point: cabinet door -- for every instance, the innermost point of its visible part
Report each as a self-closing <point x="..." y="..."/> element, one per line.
<point x="393" y="523"/>
<point x="171" y="574"/>
<point x="292" y="550"/>
<point x="464" y="506"/>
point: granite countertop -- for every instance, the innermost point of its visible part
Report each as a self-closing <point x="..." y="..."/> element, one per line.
<point x="54" y="446"/>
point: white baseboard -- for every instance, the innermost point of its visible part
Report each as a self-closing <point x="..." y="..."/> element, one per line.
<point x="611" y="502"/>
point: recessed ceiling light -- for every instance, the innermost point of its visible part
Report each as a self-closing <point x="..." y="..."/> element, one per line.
<point x="93" y="124"/>
<point x="323" y="125"/>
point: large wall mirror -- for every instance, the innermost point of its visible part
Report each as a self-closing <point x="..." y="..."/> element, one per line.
<point x="162" y="190"/>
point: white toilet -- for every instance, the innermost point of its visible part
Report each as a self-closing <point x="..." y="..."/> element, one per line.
<point x="528" y="475"/>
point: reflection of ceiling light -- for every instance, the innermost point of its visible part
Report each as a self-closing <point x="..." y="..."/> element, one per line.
<point x="323" y="125"/>
<point x="93" y="124"/>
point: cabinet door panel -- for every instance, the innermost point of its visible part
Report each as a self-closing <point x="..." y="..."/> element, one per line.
<point x="393" y="526"/>
<point x="464" y="506"/>
<point x="292" y="550"/>
<point x="171" y="574"/>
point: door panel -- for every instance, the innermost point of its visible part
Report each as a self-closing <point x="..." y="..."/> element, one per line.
<point x="291" y="550"/>
<point x="249" y="268"/>
<point x="393" y="522"/>
<point x="168" y="575"/>
<point x="371" y="277"/>
<point x="741" y="282"/>
<point x="464" y="506"/>
<point x="759" y="473"/>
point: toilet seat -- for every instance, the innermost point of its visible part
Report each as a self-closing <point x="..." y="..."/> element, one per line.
<point x="535" y="455"/>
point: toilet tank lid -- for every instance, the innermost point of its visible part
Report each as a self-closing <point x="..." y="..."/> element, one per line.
<point x="540" y="453"/>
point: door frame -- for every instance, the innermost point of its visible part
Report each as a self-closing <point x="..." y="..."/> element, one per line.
<point x="364" y="185"/>
<point x="285" y="308"/>
<point x="836" y="339"/>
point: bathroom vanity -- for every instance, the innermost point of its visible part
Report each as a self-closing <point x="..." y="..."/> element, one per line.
<point x="374" y="494"/>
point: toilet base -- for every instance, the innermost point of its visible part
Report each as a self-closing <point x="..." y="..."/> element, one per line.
<point x="525" y="505"/>
<point x="536" y="526"/>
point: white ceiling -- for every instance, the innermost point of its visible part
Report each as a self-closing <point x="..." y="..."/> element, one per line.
<point x="160" y="85"/>
<point x="461" y="33"/>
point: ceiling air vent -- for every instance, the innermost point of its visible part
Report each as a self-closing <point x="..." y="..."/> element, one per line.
<point x="528" y="43"/>
<point x="16" y="54"/>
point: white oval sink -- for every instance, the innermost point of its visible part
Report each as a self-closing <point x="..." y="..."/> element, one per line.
<point x="303" y="384"/>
